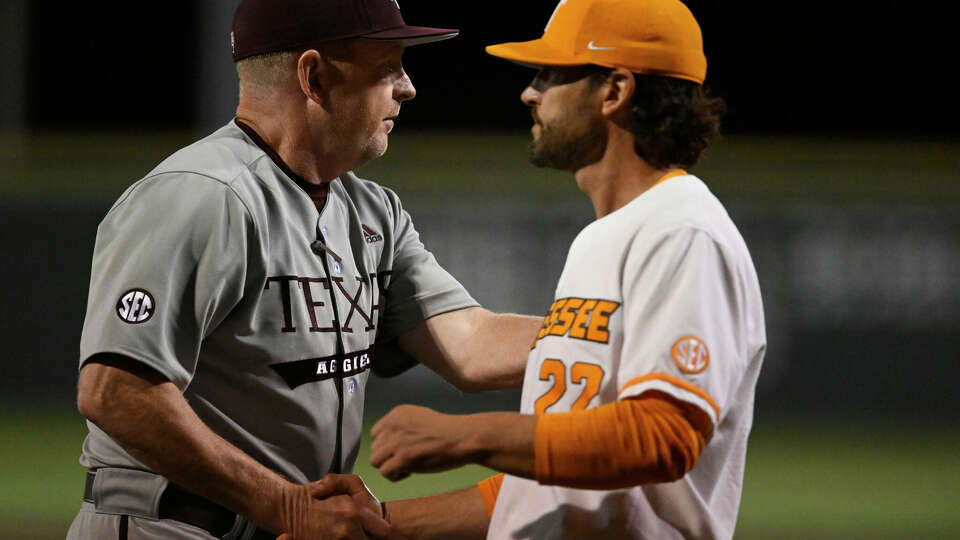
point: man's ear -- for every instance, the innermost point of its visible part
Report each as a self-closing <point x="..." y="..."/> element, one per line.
<point x="314" y="73"/>
<point x="619" y="88"/>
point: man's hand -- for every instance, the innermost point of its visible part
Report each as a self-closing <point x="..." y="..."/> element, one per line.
<point x="337" y="508"/>
<point x="347" y="484"/>
<point x="413" y="439"/>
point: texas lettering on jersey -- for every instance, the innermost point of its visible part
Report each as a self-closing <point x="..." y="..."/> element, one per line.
<point x="316" y="292"/>
<point x="311" y="300"/>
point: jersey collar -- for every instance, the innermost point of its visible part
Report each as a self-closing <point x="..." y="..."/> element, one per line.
<point x="258" y="140"/>
<point x="316" y="192"/>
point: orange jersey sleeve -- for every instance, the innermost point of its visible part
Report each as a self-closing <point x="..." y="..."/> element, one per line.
<point x="617" y="445"/>
<point x="489" y="488"/>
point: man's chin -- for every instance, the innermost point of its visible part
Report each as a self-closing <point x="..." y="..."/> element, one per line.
<point x="536" y="157"/>
<point x="376" y="148"/>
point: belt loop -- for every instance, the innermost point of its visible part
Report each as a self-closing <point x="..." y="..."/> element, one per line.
<point x="127" y="491"/>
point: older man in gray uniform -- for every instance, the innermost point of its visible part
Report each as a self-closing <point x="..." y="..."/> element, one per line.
<point x="242" y="292"/>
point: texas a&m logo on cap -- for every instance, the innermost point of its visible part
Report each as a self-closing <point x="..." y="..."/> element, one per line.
<point x="690" y="354"/>
<point x="135" y="306"/>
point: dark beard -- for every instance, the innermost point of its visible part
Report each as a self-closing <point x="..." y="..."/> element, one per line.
<point x="567" y="151"/>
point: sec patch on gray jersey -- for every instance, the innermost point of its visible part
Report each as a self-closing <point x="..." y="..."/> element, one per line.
<point x="136" y="306"/>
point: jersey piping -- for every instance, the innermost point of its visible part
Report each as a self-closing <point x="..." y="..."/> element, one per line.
<point x="687" y="391"/>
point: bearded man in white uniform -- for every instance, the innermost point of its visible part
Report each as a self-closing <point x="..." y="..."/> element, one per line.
<point x="639" y="389"/>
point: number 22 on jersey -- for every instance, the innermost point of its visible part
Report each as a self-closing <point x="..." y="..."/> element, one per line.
<point x="588" y="376"/>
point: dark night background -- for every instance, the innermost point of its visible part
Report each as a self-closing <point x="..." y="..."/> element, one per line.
<point x="820" y="68"/>
<point x="841" y="168"/>
<point x="826" y="72"/>
<point x="829" y="73"/>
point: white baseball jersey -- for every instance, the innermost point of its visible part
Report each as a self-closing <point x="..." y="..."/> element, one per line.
<point x="658" y="296"/>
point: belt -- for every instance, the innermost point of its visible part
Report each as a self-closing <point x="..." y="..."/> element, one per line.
<point x="179" y="504"/>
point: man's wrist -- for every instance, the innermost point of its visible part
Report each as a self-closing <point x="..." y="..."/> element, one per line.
<point x="478" y="442"/>
<point x="504" y="442"/>
<point x="383" y="505"/>
<point x="278" y="511"/>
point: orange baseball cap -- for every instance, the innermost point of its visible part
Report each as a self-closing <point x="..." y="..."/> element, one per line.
<point x="653" y="37"/>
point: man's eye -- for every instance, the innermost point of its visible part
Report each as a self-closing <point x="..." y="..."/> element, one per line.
<point x="390" y="69"/>
<point x="547" y="78"/>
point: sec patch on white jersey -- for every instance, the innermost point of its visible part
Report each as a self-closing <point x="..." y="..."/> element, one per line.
<point x="660" y="297"/>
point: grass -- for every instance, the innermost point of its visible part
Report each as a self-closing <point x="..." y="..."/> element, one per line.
<point x="807" y="478"/>
<point x="40" y="479"/>
<point x="824" y="479"/>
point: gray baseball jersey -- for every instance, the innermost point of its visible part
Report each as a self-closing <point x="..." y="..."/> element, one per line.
<point x="218" y="271"/>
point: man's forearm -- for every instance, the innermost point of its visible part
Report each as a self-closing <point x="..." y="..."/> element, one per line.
<point x="505" y="440"/>
<point x="615" y="445"/>
<point x="473" y="348"/>
<point x="151" y="420"/>
<point x="500" y="348"/>
<point x="459" y="514"/>
<point x="416" y="439"/>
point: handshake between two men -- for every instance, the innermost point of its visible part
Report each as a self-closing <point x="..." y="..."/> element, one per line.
<point x="412" y="439"/>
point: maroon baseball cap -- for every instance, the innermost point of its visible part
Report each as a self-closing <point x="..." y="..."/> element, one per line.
<point x="268" y="26"/>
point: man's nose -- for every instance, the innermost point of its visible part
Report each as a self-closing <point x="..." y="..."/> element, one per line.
<point x="404" y="90"/>
<point x="530" y="96"/>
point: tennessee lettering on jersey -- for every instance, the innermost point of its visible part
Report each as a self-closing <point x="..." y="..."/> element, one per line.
<point x="578" y="318"/>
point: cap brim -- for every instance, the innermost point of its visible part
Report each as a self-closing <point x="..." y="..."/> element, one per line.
<point x="534" y="53"/>
<point x="413" y="35"/>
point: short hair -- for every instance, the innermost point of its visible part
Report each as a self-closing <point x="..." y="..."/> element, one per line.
<point x="266" y="71"/>
<point x="674" y="120"/>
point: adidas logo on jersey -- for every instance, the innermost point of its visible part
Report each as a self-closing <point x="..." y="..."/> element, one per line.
<point x="370" y="235"/>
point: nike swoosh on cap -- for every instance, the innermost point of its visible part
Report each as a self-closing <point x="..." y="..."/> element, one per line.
<point x="593" y="47"/>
